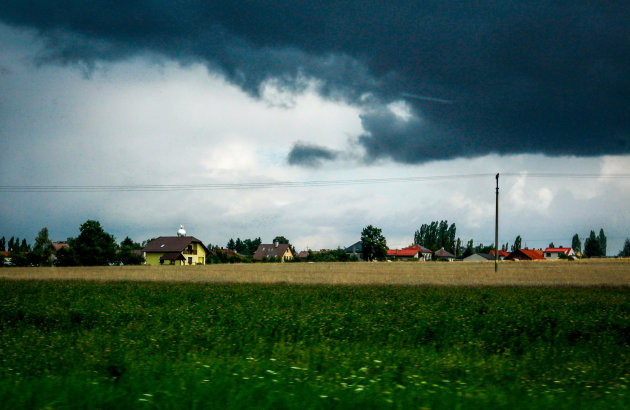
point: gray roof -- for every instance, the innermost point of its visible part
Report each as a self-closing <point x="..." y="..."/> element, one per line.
<point x="443" y="254"/>
<point x="355" y="248"/>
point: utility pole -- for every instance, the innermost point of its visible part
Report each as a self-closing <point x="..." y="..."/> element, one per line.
<point x="496" y="230"/>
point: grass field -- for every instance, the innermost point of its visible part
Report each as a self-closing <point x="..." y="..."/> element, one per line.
<point x="596" y="272"/>
<point x="212" y="344"/>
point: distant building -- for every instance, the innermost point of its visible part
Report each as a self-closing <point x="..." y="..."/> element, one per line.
<point x="424" y="253"/>
<point x="502" y="254"/>
<point x="175" y="250"/>
<point x="525" y="255"/>
<point x="443" y="255"/>
<point x="411" y="252"/>
<point x="479" y="257"/>
<point x="355" y="249"/>
<point x="281" y="251"/>
<point x="554" y="253"/>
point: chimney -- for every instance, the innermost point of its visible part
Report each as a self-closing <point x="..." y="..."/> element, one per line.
<point x="275" y="244"/>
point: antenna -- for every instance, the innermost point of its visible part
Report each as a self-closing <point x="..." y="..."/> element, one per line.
<point x="496" y="230"/>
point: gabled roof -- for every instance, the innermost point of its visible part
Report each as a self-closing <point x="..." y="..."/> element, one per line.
<point x="355" y="248"/>
<point x="172" y="256"/>
<point x="165" y="244"/>
<point x="501" y="253"/>
<point x="526" y="254"/>
<point x="402" y="252"/>
<point x="486" y="256"/>
<point x="269" y="250"/>
<point x="59" y="245"/>
<point x="418" y="248"/>
<point x="443" y="254"/>
<point x="559" y="250"/>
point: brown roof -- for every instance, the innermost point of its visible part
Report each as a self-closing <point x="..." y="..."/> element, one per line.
<point x="172" y="256"/>
<point x="172" y="244"/>
<point x="268" y="250"/>
<point x="59" y="245"/>
<point x="441" y="253"/>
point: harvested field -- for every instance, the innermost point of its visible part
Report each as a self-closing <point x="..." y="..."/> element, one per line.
<point x="599" y="272"/>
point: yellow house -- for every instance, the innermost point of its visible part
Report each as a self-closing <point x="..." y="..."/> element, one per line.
<point x="281" y="251"/>
<point x="175" y="250"/>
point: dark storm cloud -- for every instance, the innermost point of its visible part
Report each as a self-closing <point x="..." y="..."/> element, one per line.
<point x="538" y="76"/>
<point x="309" y="155"/>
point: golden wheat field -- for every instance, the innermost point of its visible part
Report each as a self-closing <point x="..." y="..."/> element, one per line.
<point x="601" y="272"/>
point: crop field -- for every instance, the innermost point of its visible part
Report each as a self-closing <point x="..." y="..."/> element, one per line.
<point x="149" y="339"/>
<point x="596" y="272"/>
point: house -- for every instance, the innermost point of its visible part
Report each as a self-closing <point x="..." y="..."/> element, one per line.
<point x="402" y="254"/>
<point x="282" y="251"/>
<point x="424" y="253"/>
<point x="479" y="257"/>
<point x="355" y="249"/>
<point x="554" y="253"/>
<point x="175" y="250"/>
<point x="502" y="254"/>
<point x="411" y="252"/>
<point x="525" y="255"/>
<point x="442" y="255"/>
<point x="59" y="245"/>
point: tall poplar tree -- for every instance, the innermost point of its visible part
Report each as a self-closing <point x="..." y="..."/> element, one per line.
<point x="576" y="244"/>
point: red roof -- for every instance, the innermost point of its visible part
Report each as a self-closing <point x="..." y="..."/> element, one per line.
<point x="418" y="248"/>
<point x="402" y="252"/>
<point x="501" y="253"/>
<point x="526" y="254"/>
<point x="559" y="250"/>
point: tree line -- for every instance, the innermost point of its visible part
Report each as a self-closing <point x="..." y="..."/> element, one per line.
<point x="92" y="247"/>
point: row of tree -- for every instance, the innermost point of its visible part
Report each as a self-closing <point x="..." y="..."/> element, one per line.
<point x="14" y="245"/>
<point x="92" y="247"/>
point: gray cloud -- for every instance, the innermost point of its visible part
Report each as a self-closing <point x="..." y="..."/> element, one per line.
<point x="538" y="76"/>
<point x="309" y="155"/>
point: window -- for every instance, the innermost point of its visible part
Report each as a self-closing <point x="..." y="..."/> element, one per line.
<point x="190" y="260"/>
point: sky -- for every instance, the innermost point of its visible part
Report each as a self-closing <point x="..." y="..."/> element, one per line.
<point x="160" y="93"/>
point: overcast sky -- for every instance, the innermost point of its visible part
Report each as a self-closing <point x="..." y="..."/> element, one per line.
<point x="95" y="93"/>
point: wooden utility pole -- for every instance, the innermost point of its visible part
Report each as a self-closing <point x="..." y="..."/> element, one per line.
<point x="496" y="230"/>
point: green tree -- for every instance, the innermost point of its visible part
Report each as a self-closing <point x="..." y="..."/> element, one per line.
<point x="67" y="256"/>
<point x="625" y="252"/>
<point x="280" y="239"/>
<point x="517" y="243"/>
<point x="551" y="245"/>
<point x="592" y="246"/>
<point x="601" y="238"/>
<point x="24" y="247"/>
<point x="374" y="243"/>
<point x="94" y="246"/>
<point x="231" y="244"/>
<point x="469" y="249"/>
<point x="3" y="244"/>
<point x="127" y="254"/>
<point x="42" y="249"/>
<point x="10" y="245"/>
<point x="576" y="244"/>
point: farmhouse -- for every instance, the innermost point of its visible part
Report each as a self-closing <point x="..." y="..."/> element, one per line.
<point x="479" y="257"/>
<point x="525" y="255"/>
<point x="411" y="252"/>
<point x="443" y="255"/>
<point x="175" y="250"/>
<point x="355" y="249"/>
<point x="281" y="251"/>
<point x="502" y="254"/>
<point x="554" y="253"/>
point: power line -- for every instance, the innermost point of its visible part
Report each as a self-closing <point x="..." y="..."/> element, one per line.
<point x="287" y="184"/>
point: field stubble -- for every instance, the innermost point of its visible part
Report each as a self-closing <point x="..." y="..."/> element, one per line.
<point x="602" y="272"/>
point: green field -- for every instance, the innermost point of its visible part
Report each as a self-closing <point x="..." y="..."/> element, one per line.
<point x="218" y="345"/>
